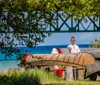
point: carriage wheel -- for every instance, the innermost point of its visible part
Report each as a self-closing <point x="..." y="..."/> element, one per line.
<point x="98" y="73"/>
<point x="93" y="77"/>
<point x="47" y="69"/>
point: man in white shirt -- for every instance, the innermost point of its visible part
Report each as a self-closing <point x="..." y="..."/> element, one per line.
<point x="73" y="48"/>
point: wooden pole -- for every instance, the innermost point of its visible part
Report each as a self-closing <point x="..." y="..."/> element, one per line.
<point x="74" y="74"/>
<point x="69" y="73"/>
<point x="80" y="74"/>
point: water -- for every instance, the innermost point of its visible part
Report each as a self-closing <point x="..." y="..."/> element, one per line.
<point x="12" y="62"/>
<point x="4" y="65"/>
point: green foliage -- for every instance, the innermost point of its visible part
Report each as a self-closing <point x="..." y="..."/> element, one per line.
<point x="38" y="77"/>
<point x="77" y="7"/>
<point x="95" y="43"/>
<point x="29" y="77"/>
<point x="19" y="78"/>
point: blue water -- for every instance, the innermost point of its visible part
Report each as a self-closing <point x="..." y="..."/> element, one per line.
<point x="12" y="62"/>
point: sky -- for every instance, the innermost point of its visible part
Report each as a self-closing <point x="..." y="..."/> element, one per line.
<point x="64" y="38"/>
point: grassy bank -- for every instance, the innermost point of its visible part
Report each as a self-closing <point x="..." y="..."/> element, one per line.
<point x="38" y="77"/>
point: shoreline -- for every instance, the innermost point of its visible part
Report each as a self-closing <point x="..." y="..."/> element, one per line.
<point x="12" y="63"/>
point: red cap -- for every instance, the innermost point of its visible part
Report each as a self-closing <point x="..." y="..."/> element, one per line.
<point x="25" y="57"/>
<point x="59" y="50"/>
<point x="72" y="37"/>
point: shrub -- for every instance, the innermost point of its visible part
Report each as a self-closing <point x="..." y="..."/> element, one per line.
<point x="28" y="77"/>
<point x="19" y="78"/>
<point x="95" y="43"/>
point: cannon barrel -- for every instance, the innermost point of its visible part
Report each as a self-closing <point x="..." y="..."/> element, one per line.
<point x="77" y="60"/>
<point x="95" y="52"/>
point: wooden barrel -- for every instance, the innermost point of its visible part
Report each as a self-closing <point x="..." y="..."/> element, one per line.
<point x="81" y="59"/>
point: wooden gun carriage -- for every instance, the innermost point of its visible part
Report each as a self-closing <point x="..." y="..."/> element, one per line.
<point x="84" y="61"/>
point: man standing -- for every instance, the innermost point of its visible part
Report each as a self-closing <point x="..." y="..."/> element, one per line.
<point x="73" y="48"/>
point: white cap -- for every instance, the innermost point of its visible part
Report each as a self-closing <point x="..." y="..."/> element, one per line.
<point x="54" y="51"/>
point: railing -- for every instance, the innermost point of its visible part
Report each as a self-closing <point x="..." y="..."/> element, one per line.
<point x="87" y="24"/>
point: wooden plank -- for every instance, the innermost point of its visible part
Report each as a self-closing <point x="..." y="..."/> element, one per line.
<point x="80" y="74"/>
<point x="88" y="59"/>
<point x="74" y="74"/>
<point x="71" y="59"/>
<point x="46" y="63"/>
<point x="47" y="57"/>
<point x="69" y="73"/>
<point x="76" y="60"/>
<point x="54" y="57"/>
<point x="66" y="59"/>
<point x="61" y="57"/>
<point x="82" y="59"/>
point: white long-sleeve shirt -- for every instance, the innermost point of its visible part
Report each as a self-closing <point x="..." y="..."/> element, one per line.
<point x="74" y="48"/>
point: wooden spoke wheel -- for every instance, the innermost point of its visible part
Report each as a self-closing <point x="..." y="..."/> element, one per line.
<point x="93" y="77"/>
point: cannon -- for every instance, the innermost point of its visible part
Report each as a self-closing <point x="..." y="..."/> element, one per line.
<point x="95" y="52"/>
<point x="76" y="60"/>
<point x="79" y="61"/>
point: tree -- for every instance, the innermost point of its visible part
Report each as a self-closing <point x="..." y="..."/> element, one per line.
<point x="22" y="22"/>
